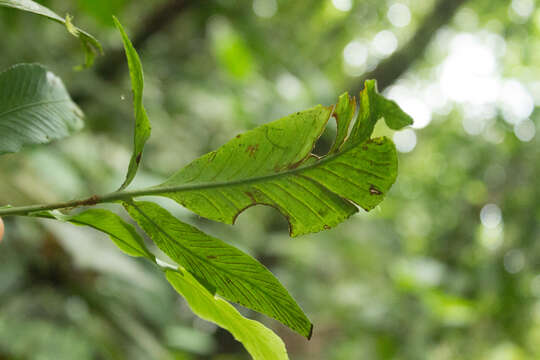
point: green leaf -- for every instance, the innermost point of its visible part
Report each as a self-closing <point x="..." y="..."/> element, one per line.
<point x="121" y="233"/>
<point x="142" y="124"/>
<point x="223" y="268"/>
<point x="91" y="46"/>
<point x="373" y="106"/>
<point x="272" y="165"/>
<point x="259" y="341"/>
<point x="35" y="108"/>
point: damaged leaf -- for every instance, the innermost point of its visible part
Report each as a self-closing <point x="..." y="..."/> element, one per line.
<point x="273" y="165"/>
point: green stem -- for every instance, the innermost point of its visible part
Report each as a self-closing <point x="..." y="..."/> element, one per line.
<point x="125" y="195"/>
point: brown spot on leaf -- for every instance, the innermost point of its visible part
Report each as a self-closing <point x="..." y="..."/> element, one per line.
<point x="252" y="149"/>
<point x="326" y="227"/>
<point x="211" y="257"/>
<point x="374" y="191"/>
<point x="138" y="158"/>
<point x="251" y="196"/>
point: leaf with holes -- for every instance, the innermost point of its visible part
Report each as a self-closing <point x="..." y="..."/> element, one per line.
<point x="35" y="108"/>
<point x="273" y="165"/>
<point x="222" y="268"/>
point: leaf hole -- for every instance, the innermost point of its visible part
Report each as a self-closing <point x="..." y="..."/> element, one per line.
<point x="324" y="143"/>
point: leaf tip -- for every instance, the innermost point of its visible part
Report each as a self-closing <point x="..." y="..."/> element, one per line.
<point x="310" y="334"/>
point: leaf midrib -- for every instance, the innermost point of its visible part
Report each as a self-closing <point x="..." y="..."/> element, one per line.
<point x="33" y="104"/>
<point x="209" y="185"/>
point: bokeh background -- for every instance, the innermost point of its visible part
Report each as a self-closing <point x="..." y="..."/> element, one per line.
<point x="447" y="267"/>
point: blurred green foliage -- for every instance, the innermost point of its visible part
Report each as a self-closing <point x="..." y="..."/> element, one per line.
<point x="447" y="267"/>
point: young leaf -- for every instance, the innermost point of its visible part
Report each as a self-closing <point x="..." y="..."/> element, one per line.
<point x="259" y="341"/>
<point x="35" y="108"/>
<point x="142" y="124"/>
<point x="121" y="233"/>
<point x="272" y="165"/>
<point x="91" y="46"/>
<point x="373" y="106"/>
<point x="224" y="269"/>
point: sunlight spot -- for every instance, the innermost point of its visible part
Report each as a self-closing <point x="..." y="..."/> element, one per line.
<point x="490" y="216"/>
<point x="288" y="86"/>
<point x="265" y="8"/>
<point x="385" y="43"/>
<point x="476" y="118"/>
<point x="412" y="105"/>
<point x="355" y="54"/>
<point x="399" y="15"/>
<point x="423" y="272"/>
<point x="523" y="8"/>
<point x="342" y="5"/>
<point x="494" y="134"/>
<point x="517" y="102"/>
<point x="525" y="130"/>
<point x="492" y="238"/>
<point x="468" y="74"/>
<point x="405" y="140"/>
<point x="418" y="111"/>
<point x="472" y="125"/>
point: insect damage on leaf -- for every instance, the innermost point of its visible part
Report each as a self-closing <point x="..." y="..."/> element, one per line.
<point x="273" y="165"/>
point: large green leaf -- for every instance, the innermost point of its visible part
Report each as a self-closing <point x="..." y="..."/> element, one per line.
<point x="91" y="46"/>
<point x="259" y="341"/>
<point x="121" y="233"/>
<point x="233" y="274"/>
<point x="142" y="124"/>
<point x="273" y="165"/>
<point x="35" y="108"/>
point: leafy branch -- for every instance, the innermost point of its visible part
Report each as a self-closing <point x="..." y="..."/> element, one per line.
<point x="271" y="165"/>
